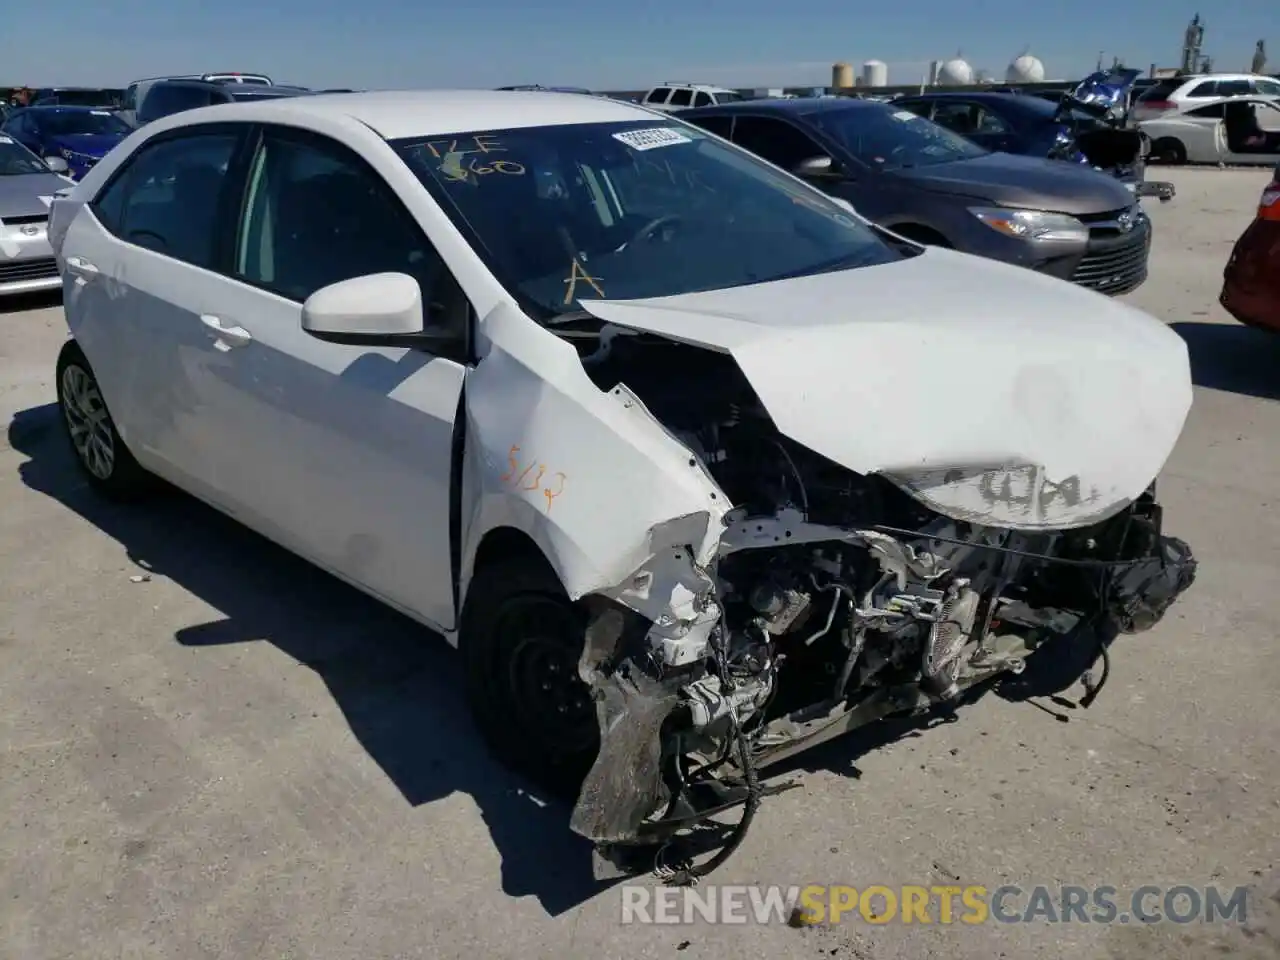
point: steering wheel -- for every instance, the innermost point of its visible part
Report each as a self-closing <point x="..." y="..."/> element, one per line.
<point x="667" y="219"/>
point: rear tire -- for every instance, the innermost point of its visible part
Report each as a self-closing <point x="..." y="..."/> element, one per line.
<point x="100" y="453"/>
<point x="521" y="639"/>
<point x="1169" y="150"/>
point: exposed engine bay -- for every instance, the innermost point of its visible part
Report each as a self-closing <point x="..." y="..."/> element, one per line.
<point x="837" y="599"/>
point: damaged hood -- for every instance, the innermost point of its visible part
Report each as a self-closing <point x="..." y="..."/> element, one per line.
<point x="990" y="392"/>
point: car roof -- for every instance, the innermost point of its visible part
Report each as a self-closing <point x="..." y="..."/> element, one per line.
<point x="1026" y="102"/>
<point x="393" y="114"/>
<point x="64" y="108"/>
<point x="796" y="107"/>
<point x="698" y="87"/>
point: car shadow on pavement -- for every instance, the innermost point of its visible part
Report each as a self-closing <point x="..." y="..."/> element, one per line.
<point x="22" y="302"/>
<point x="1233" y="357"/>
<point x="397" y="684"/>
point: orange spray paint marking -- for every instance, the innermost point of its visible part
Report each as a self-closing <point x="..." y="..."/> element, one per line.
<point x="547" y="492"/>
<point x="579" y="272"/>
<point x="515" y="464"/>
<point x="537" y="481"/>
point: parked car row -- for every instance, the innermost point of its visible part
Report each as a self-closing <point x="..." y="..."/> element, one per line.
<point x="925" y="182"/>
<point x="903" y="165"/>
<point x="696" y="466"/>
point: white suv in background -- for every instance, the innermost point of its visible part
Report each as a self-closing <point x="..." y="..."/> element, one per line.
<point x="679" y="96"/>
<point x="1193" y="90"/>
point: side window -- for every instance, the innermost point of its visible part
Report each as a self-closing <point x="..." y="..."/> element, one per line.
<point x="165" y="101"/>
<point x="681" y="98"/>
<point x="1213" y="111"/>
<point x="702" y="99"/>
<point x="720" y="126"/>
<point x="131" y="97"/>
<point x="988" y="122"/>
<point x="1234" y="88"/>
<point x="658" y="95"/>
<point x="775" y="140"/>
<point x="316" y="214"/>
<point x="166" y="197"/>
<point x="1206" y="88"/>
<point x="921" y="108"/>
<point x="957" y="116"/>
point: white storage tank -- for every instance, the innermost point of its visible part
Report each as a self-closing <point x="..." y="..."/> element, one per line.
<point x="955" y="73"/>
<point x="875" y="73"/>
<point x="1025" y="69"/>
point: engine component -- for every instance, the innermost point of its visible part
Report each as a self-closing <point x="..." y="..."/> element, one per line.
<point x="708" y="701"/>
<point x="948" y="637"/>
<point x="779" y="606"/>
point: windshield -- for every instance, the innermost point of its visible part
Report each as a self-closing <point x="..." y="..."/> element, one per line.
<point x="16" y="159"/>
<point x="71" y="123"/>
<point x="631" y="210"/>
<point x="885" y="138"/>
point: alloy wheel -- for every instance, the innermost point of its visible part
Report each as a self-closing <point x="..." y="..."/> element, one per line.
<point x="92" y="434"/>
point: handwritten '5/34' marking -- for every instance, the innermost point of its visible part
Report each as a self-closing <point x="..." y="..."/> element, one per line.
<point x="530" y="474"/>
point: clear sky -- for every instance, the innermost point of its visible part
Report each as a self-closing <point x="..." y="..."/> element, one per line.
<point x="602" y="44"/>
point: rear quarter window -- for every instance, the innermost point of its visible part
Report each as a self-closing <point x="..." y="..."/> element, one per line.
<point x="1205" y="88"/>
<point x="1161" y="91"/>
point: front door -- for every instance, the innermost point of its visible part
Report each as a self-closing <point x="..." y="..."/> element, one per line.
<point x="342" y="453"/>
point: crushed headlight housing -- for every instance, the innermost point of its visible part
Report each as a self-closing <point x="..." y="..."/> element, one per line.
<point x="1038" y="225"/>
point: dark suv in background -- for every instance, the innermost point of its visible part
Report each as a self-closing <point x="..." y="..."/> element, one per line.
<point x="174" y="96"/>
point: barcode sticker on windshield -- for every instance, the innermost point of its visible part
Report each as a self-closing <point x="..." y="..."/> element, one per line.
<point x="651" y="138"/>
<point x="905" y="115"/>
<point x="5" y="140"/>
<point x="101" y="113"/>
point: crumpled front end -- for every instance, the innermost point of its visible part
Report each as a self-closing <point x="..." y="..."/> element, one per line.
<point x="833" y="599"/>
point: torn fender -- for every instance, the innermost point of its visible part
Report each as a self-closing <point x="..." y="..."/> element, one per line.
<point x="615" y="502"/>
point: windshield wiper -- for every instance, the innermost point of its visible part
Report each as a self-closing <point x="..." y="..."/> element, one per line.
<point x="570" y="316"/>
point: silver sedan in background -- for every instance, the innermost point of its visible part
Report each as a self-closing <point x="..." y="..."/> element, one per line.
<point x="27" y="188"/>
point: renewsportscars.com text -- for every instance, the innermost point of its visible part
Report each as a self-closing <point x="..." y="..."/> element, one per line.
<point x="971" y="904"/>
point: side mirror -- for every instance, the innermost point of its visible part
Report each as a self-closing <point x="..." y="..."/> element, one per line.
<point x="377" y="310"/>
<point x="56" y="164"/>
<point x="816" y="167"/>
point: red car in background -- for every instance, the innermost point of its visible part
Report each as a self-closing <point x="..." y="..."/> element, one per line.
<point x="1251" y="280"/>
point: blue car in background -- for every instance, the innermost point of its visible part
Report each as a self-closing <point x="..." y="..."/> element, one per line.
<point x="80" y="135"/>
<point x="1070" y="130"/>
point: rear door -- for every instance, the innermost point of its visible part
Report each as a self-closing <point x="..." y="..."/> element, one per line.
<point x="140" y="273"/>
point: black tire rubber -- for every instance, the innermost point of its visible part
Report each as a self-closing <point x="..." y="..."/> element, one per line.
<point x="494" y="651"/>
<point x="1169" y="150"/>
<point x="127" y="480"/>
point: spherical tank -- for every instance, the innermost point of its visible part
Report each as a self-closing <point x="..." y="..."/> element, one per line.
<point x="955" y="73"/>
<point x="841" y="76"/>
<point x="875" y="73"/>
<point x="1026" y="69"/>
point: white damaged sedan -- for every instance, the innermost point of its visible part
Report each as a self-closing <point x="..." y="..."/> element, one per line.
<point x="696" y="466"/>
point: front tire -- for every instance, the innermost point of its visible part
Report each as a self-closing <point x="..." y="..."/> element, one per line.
<point x="100" y="453"/>
<point x="521" y="640"/>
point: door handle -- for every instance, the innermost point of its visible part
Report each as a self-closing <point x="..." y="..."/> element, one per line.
<point x="226" y="336"/>
<point x="81" y="265"/>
